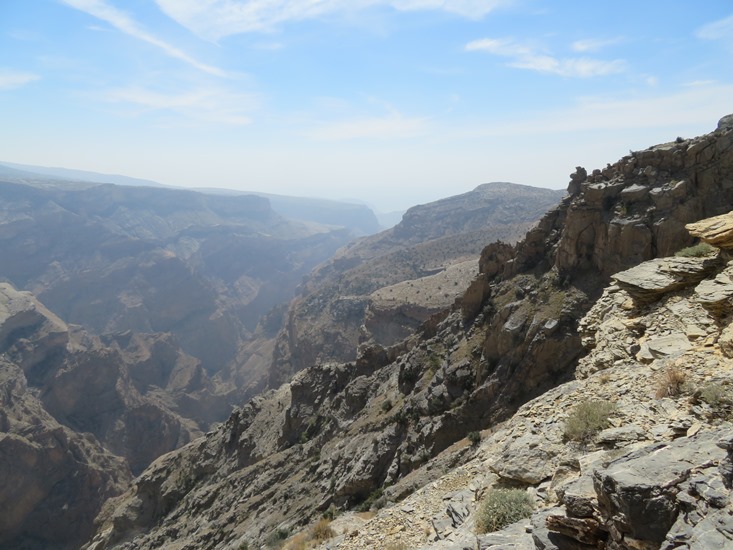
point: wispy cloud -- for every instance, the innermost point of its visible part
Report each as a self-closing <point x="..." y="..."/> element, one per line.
<point x="10" y="79"/>
<point x="392" y="126"/>
<point x="124" y="23"/>
<point x="717" y="30"/>
<point x="205" y="104"/>
<point x="214" y="19"/>
<point x="595" y="44"/>
<point x="524" y="56"/>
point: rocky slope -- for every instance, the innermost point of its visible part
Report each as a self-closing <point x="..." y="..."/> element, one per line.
<point x="659" y="476"/>
<point x="339" y="432"/>
<point x="203" y="269"/>
<point x="54" y="478"/>
<point x="380" y="289"/>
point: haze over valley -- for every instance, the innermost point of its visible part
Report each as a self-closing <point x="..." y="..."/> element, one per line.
<point x="404" y="275"/>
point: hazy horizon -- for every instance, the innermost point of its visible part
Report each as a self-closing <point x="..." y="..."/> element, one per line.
<point x="391" y="102"/>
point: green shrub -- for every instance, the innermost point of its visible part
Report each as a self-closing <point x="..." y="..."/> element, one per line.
<point x="696" y="251"/>
<point x="387" y="405"/>
<point x="474" y="437"/>
<point x="374" y="500"/>
<point x="330" y="513"/>
<point x="277" y="538"/>
<point x="502" y="507"/>
<point x="718" y="397"/>
<point x="587" y="419"/>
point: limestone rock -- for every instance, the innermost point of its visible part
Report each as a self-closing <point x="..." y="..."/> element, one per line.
<point x="650" y="280"/>
<point x="716" y="295"/>
<point x="638" y="494"/>
<point x="726" y="341"/>
<point x="717" y="231"/>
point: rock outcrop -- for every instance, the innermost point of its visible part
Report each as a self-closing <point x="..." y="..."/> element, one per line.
<point x="55" y="479"/>
<point x="658" y="477"/>
<point x="338" y="432"/>
<point x="380" y="289"/>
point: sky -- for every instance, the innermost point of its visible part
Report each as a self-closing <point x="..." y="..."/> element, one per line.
<point x="391" y="102"/>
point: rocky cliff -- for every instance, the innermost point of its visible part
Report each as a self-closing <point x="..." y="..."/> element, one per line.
<point x="391" y="421"/>
<point x="380" y="289"/>
<point x="55" y="479"/>
<point x="198" y="271"/>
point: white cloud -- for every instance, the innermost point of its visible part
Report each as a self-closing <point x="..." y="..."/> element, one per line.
<point x="214" y="19"/>
<point x="391" y="126"/>
<point x="205" y="105"/>
<point x="524" y="56"/>
<point x="717" y="30"/>
<point x="124" y="23"/>
<point x="595" y="44"/>
<point x="10" y="79"/>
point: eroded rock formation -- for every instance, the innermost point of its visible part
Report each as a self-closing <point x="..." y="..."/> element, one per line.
<point x="339" y="431"/>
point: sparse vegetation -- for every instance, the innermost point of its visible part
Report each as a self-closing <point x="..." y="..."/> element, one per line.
<point x="697" y="251"/>
<point x="502" y="507"/>
<point x="670" y="383"/>
<point x="587" y="419"/>
<point x="387" y="405"/>
<point x="330" y="513"/>
<point x="277" y="538"/>
<point x="375" y="500"/>
<point x="718" y="397"/>
<point x="474" y="437"/>
<point x="321" y="531"/>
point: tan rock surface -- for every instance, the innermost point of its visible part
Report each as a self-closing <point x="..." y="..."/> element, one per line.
<point x="717" y="231"/>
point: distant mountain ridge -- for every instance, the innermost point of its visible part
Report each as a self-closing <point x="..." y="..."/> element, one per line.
<point x="79" y="175"/>
<point x="359" y="218"/>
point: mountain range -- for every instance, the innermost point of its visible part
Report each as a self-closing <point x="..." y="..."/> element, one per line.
<point x="415" y="373"/>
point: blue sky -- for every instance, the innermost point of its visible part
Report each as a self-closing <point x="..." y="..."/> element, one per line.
<point x="395" y="102"/>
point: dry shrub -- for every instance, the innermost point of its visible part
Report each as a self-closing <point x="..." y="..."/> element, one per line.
<point x="587" y="419"/>
<point x="670" y="383"/>
<point x="502" y="507"/>
<point x="322" y="531"/>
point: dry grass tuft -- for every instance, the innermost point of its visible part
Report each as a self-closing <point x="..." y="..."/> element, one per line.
<point x="671" y="382"/>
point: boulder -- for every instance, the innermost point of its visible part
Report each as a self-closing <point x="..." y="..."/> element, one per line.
<point x="642" y="495"/>
<point x="716" y="295"/>
<point x="717" y="231"/>
<point x="651" y="280"/>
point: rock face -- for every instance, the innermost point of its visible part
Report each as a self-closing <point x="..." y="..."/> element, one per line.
<point x="380" y="289"/>
<point x="717" y="231"/>
<point x="54" y="478"/>
<point x="202" y="268"/>
<point x="658" y="477"/>
<point x="337" y="432"/>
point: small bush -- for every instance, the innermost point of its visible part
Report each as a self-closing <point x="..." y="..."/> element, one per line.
<point x="670" y="383"/>
<point x="330" y="513"/>
<point x="474" y="437"/>
<point x="277" y="538"/>
<point x="718" y="398"/>
<point x="696" y="251"/>
<point x="587" y="419"/>
<point x="321" y="531"/>
<point x="502" y="507"/>
<point x="387" y="405"/>
<point x="374" y="500"/>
